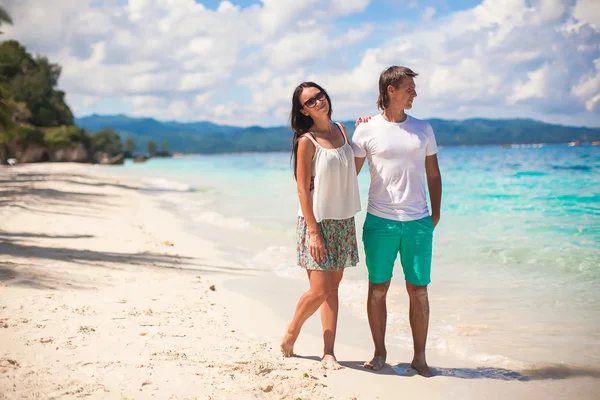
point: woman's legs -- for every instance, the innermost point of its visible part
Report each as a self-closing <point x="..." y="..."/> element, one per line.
<point x="321" y="283"/>
<point x="329" y="316"/>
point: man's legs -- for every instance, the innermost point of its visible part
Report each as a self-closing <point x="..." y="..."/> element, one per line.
<point x="377" y="313"/>
<point x="381" y="238"/>
<point x="415" y="255"/>
<point x="419" y="324"/>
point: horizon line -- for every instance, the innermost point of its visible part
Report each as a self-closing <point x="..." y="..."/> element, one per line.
<point x="343" y="120"/>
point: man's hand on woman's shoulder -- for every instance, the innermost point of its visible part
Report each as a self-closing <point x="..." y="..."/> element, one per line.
<point x="361" y="120"/>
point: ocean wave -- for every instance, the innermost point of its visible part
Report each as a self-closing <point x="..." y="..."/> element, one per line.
<point x="572" y="167"/>
<point x="530" y="173"/>
<point x="222" y="221"/>
<point x="167" y="185"/>
<point x="279" y="259"/>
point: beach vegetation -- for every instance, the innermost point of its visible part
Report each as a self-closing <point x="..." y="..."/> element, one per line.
<point x="130" y="145"/>
<point x="152" y="147"/>
<point x="33" y="111"/>
<point x="106" y="141"/>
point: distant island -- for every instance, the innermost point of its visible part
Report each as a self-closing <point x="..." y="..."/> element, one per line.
<point x="210" y="138"/>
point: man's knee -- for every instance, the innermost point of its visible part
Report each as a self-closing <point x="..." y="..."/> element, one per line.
<point x="378" y="292"/>
<point x="416" y="291"/>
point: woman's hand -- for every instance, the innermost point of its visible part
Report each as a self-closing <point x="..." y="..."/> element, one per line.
<point x="316" y="246"/>
<point x="361" y="120"/>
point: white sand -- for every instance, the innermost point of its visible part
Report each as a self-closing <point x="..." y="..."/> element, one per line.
<point x="93" y="304"/>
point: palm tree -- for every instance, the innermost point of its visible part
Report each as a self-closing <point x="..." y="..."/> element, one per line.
<point x="4" y="17"/>
<point x="152" y="147"/>
<point x="6" y="123"/>
<point x="130" y="145"/>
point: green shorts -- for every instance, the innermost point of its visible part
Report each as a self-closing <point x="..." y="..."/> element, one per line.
<point x="384" y="238"/>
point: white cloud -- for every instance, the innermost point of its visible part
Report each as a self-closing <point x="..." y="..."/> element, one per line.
<point x="588" y="88"/>
<point x="292" y="48"/>
<point x="178" y="49"/>
<point x="593" y="104"/>
<point x="588" y="11"/>
<point x="428" y="14"/>
<point x="201" y="100"/>
<point x="226" y="6"/>
<point x="501" y="57"/>
<point x="536" y="86"/>
<point x="346" y="7"/>
<point x="146" y="101"/>
<point x="180" y="59"/>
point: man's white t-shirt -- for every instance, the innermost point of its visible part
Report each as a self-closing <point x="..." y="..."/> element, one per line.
<point x="396" y="155"/>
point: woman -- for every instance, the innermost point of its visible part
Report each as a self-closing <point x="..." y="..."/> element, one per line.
<point x="325" y="230"/>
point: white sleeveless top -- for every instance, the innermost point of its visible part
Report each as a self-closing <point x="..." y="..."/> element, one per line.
<point x="335" y="194"/>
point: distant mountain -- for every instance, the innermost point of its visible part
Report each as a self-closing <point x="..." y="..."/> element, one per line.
<point x="149" y="126"/>
<point x="207" y="137"/>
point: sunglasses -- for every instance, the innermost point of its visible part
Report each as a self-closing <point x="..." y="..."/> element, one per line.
<point x="310" y="103"/>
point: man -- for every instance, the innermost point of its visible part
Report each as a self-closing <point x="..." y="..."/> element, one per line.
<point x="400" y="150"/>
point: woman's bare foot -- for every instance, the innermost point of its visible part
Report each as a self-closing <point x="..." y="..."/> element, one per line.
<point x="421" y="367"/>
<point x="329" y="362"/>
<point x="287" y="344"/>
<point x="376" y="364"/>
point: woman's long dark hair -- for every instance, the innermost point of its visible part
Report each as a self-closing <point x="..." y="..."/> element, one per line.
<point x="301" y="123"/>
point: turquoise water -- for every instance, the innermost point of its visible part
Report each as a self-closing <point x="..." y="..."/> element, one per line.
<point x="516" y="273"/>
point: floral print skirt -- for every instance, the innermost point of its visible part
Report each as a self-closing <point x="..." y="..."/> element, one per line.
<point x="341" y="250"/>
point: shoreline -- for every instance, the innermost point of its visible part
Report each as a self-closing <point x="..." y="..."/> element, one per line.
<point x="178" y="154"/>
<point x="84" y="262"/>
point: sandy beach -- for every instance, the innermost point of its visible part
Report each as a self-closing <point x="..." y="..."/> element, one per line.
<point x="104" y="296"/>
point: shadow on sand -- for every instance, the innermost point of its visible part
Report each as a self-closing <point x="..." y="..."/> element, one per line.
<point x="76" y="179"/>
<point x="546" y="372"/>
<point x="14" y="246"/>
<point x="18" y="190"/>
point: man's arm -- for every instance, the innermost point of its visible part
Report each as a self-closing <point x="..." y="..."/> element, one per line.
<point x="434" y="183"/>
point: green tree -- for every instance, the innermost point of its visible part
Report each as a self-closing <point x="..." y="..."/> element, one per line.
<point x="65" y="136"/>
<point x="164" y="145"/>
<point x="6" y="124"/>
<point x="152" y="147"/>
<point x="32" y="110"/>
<point x="130" y="145"/>
<point x="106" y="141"/>
<point x="4" y="17"/>
<point x="33" y="81"/>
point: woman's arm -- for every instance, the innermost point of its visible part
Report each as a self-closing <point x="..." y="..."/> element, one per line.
<point x="306" y="152"/>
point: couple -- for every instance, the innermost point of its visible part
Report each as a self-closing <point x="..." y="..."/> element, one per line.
<point x="401" y="150"/>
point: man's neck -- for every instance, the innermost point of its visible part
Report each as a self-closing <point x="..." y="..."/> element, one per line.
<point x="394" y="115"/>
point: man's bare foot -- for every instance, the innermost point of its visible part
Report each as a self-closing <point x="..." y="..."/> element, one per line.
<point x="421" y="367"/>
<point x="329" y="362"/>
<point x="376" y="364"/>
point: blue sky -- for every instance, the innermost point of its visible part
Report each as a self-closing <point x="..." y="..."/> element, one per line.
<point x="237" y="62"/>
